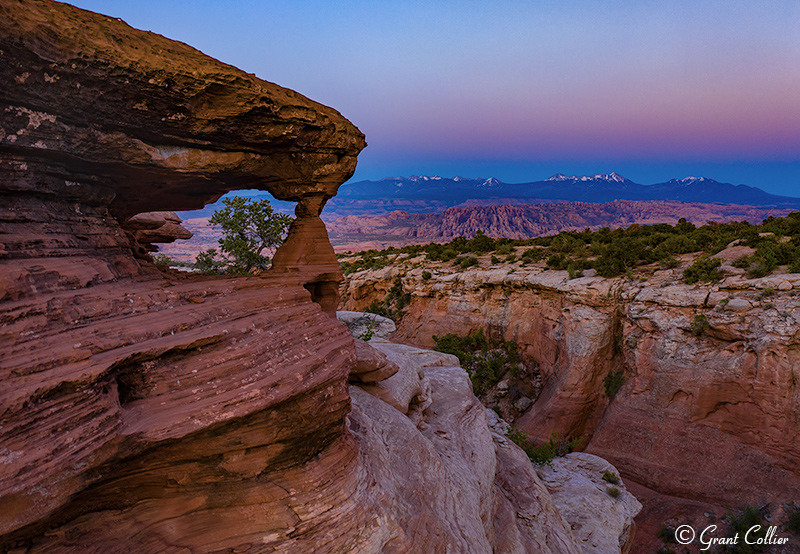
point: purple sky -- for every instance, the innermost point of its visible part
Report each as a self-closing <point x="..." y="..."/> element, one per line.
<point x="523" y="90"/>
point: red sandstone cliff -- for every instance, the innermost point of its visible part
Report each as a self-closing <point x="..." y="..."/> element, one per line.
<point x="707" y="417"/>
<point x="143" y="411"/>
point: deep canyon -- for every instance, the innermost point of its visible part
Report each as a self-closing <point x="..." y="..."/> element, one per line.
<point x="707" y="417"/>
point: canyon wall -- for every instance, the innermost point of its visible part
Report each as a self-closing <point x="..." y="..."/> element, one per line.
<point x="153" y="411"/>
<point x="709" y="408"/>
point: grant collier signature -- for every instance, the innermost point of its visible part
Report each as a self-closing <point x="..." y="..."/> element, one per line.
<point x="686" y="534"/>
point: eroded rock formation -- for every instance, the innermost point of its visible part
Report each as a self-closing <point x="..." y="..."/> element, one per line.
<point x="707" y="416"/>
<point x="157" y="412"/>
<point x="459" y="483"/>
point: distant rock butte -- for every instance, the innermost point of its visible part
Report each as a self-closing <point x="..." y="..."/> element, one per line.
<point x="531" y="220"/>
<point x="156" y="412"/>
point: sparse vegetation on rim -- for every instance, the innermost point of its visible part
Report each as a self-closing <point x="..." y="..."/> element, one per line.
<point x="485" y="359"/>
<point x="543" y="454"/>
<point x="619" y="251"/>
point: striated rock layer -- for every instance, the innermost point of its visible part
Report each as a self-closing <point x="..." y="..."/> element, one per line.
<point x="708" y="411"/>
<point x="153" y="412"/>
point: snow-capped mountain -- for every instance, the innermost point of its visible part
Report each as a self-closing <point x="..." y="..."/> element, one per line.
<point x="612" y="177"/>
<point x="600" y="187"/>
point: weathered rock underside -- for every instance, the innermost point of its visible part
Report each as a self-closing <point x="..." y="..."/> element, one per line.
<point x="143" y="411"/>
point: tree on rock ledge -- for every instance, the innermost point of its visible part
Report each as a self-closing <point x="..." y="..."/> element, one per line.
<point x="249" y="228"/>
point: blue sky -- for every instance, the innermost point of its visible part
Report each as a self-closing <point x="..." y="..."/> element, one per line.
<point x="523" y="90"/>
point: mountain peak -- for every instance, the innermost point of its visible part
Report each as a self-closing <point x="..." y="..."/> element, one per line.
<point x="692" y="180"/>
<point x="613" y="177"/>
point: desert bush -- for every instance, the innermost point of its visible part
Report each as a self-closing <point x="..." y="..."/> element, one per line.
<point x="532" y="255"/>
<point x="393" y="304"/>
<point x="486" y="360"/>
<point x="611" y="477"/>
<point x="557" y="261"/>
<point x="670" y="262"/>
<point x="543" y="454"/>
<point x="467" y="261"/>
<point x="700" y="325"/>
<point x="742" y="262"/>
<point x="504" y="250"/>
<point x="742" y="522"/>
<point x="705" y="268"/>
<point x="480" y="243"/>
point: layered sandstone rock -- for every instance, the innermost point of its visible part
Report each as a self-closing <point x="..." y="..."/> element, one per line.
<point x="151" y="228"/>
<point x="111" y="118"/>
<point x="142" y="411"/>
<point x="708" y="408"/>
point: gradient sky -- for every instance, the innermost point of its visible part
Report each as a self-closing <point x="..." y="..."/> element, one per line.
<point x="522" y="90"/>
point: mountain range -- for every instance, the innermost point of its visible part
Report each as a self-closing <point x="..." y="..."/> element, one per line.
<point x="591" y="188"/>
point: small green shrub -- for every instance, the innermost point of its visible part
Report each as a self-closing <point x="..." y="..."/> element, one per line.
<point x="742" y="522"/>
<point x="704" y="268"/>
<point x="670" y="262"/>
<point x="574" y="269"/>
<point x="557" y="261"/>
<point x="765" y="293"/>
<point x="667" y="534"/>
<point x="742" y="262"/>
<point x="368" y="332"/>
<point x="162" y="259"/>
<point x="532" y="255"/>
<point x="517" y="436"/>
<point x="759" y="269"/>
<point x="511" y="258"/>
<point x="504" y="250"/>
<point x="613" y="382"/>
<point x="467" y="261"/>
<point x="700" y="325"/>
<point x="613" y="492"/>
<point x="426" y="275"/>
<point x="611" y="477"/>
<point x="480" y="243"/>
<point x="495" y="260"/>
